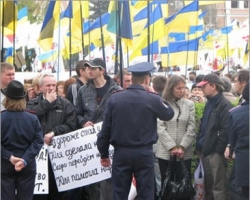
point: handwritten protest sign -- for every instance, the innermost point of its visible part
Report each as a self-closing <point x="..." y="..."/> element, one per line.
<point x="41" y="181"/>
<point x="75" y="159"/>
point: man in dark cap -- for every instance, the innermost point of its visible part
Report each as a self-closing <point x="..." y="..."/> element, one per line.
<point x="130" y="125"/>
<point x="213" y="136"/>
<point x="92" y="99"/>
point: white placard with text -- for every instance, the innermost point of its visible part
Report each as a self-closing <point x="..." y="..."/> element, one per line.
<point x="41" y="181"/>
<point x="75" y="159"/>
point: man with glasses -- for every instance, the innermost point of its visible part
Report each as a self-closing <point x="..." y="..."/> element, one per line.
<point x="213" y="137"/>
<point x="240" y="81"/>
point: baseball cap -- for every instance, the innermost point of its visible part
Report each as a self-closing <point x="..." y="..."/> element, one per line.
<point x="97" y="62"/>
<point x="210" y="78"/>
<point x="141" y="69"/>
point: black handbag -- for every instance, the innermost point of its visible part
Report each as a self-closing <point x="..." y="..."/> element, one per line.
<point x="177" y="190"/>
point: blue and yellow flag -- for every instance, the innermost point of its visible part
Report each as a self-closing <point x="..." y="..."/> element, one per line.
<point x="202" y="3"/>
<point x="180" y="53"/>
<point x="9" y="17"/>
<point x="183" y="19"/>
<point x="92" y="30"/>
<point x="155" y="27"/>
<point x="125" y="21"/>
<point x="50" y="22"/>
<point x="23" y="15"/>
<point x="8" y="55"/>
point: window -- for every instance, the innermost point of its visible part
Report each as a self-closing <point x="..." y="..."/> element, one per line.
<point x="234" y="4"/>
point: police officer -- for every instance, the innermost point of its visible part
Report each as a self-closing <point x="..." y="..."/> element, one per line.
<point x="130" y="126"/>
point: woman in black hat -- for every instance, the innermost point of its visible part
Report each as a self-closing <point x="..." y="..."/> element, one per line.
<point x="21" y="141"/>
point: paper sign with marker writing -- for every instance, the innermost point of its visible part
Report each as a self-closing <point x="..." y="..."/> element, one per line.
<point x="41" y="181"/>
<point x="75" y="159"/>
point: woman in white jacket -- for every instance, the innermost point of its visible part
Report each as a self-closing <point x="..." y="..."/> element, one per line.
<point x="176" y="136"/>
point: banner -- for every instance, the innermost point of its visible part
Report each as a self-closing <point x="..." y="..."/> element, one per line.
<point x="41" y="181"/>
<point x="75" y="159"/>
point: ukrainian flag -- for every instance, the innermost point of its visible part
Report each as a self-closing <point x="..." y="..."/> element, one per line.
<point x="92" y="30"/>
<point x="9" y="17"/>
<point x="156" y="30"/>
<point x="183" y="19"/>
<point x="50" y="22"/>
<point x="125" y="21"/>
<point x="202" y="3"/>
<point x="180" y="53"/>
<point x="23" y="15"/>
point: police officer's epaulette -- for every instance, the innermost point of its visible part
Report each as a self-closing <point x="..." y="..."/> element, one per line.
<point x="30" y="111"/>
<point x="154" y="93"/>
<point x="234" y="108"/>
<point x="116" y="91"/>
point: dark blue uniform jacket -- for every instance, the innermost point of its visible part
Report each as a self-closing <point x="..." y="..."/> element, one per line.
<point x="239" y="140"/>
<point x="21" y="135"/>
<point x="131" y="119"/>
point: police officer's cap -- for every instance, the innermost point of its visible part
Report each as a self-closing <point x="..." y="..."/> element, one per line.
<point x="141" y="69"/>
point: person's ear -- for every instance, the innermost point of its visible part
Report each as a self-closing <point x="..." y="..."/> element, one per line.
<point x="147" y="80"/>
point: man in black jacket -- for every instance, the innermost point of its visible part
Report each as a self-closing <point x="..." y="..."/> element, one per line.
<point x="213" y="136"/>
<point x="82" y="72"/>
<point x="92" y="100"/>
<point x="57" y="116"/>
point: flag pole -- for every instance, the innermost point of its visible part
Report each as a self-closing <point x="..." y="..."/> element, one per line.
<point x="2" y="30"/>
<point x="14" y="34"/>
<point x="117" y="41"/>
<point x="82" y="28"/>
<point x="58" y="49"/>
<point x="70" y="35"/>
<point x="120" y="42"/>
<point x="148" y="13"/>
<point x="187" y="58"/>
<point x="102" y="39"/>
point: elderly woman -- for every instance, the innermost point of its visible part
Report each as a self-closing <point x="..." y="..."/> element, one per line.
<point x="21" y="141"/>
<point x="177" y="135"/>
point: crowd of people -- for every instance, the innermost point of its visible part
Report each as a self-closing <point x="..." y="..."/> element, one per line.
<point x="148" y="119"/>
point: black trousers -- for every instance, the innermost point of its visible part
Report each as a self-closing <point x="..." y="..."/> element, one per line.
<point x="17" y="185"/>
<point x="133" y="161"/>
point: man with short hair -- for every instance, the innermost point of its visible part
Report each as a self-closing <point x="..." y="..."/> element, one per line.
<point x="82" y="72"/>
<point x="126" y="78"/>
<point x="130" y="125"/>
<point x="92" y="100"/>
<point x="7" y="75"/>
<point x="159" y="82"/>
<point x="213" y="136"/>
<point x="57" y="116"/>
<point x="240" y="81"/>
